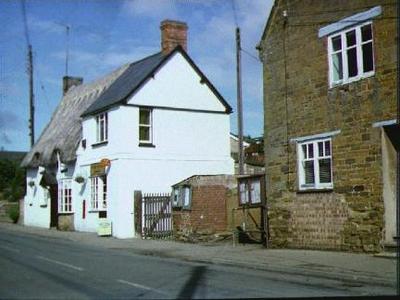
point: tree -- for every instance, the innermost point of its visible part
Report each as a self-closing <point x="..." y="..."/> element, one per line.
<point x="12" y="180"/>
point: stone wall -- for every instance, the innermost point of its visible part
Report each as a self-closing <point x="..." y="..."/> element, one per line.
<point x="66" y="222"/>
<point x="298" y="102"/>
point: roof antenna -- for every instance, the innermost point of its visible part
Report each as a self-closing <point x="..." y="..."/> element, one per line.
<point x="67" y="28"/>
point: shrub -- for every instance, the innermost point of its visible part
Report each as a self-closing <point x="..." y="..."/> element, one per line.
<point x="13" y="213"/>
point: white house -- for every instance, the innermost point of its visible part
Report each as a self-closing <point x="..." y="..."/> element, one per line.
<point x="143" y="127"/>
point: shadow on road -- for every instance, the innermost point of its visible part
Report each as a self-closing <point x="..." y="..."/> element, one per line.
<point x="193" y="282"/>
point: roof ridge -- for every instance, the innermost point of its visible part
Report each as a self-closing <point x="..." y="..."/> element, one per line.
<point x="144" y="58"/>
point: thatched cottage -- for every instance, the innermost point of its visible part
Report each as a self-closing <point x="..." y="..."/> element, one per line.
<point x="143" y="127"/>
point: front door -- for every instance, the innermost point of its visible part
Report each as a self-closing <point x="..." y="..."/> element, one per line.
<point x="54" y="205"/>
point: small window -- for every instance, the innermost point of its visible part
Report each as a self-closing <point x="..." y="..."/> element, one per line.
<point x="315" y="164"/>
<point x="351" y="54"/>
<point x="145" y="126"/>
<point x="98" y="193"/>
<point x="101" y="128"/>
<point x="65" y="196"/>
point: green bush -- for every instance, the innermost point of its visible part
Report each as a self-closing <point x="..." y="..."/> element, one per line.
<point x="12" y="180"/>
<point x="13" y="213"/>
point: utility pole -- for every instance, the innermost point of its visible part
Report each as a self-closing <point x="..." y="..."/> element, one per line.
<point x="239" y="101"/>
<point x="31" y="97"/>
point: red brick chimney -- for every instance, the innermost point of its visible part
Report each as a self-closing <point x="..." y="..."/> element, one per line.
<point x="173" y="33"/>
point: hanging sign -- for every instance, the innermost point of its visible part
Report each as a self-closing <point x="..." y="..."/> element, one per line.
<point x="97" y="169"/>
<point x="105" y="162"/>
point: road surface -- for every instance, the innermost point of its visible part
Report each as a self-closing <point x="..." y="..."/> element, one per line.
<point x="34" y="266"/>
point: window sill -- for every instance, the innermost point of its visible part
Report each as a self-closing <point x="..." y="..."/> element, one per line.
<point x="99" y="144"/>
<point x="148" y="145"/>
<point x="66" y="213"/>
<point x="308" y="191"/>
<point x="96" y="210"/>
<point x="344" y="84"/>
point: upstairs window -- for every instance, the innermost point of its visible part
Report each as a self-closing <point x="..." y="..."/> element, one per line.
<point x="145" y="126"/>
<point x="65" y="196"/>
<point x="101" y="128"/>
<point x="351" y="54"/>
<point x="315" y="164"/>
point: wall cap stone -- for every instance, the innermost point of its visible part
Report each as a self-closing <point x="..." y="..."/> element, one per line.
<point x="315" y="136"/>
<point x="350" y="21"/>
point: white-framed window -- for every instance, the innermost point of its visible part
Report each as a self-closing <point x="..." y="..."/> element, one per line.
<point x="145" y="126"/>
<point x="65" y="196"/>
<point x="98" y="193"/>
<point x="351" y="54"/>
<point x="102" y="127"/>
<point x="315" y="164"/>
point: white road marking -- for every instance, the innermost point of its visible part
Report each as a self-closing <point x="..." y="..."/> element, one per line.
<point x="60" y="263"/>
<point x="10" y="249"/>
<point x="140" y="286"/>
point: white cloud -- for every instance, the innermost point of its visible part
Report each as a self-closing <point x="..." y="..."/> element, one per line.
<point x="45" y="26"/>
<point x="152" y="9"/>
<point x="9" y="121"/>
<point x="5" y="139"/>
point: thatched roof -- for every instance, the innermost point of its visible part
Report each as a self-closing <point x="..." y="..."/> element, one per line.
<point x="64" y="131"/>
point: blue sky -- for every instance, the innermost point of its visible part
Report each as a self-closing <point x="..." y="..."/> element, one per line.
<point x="107" y="34"/>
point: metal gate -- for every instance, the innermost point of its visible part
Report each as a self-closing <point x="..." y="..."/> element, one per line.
<point x="156" y="216"/>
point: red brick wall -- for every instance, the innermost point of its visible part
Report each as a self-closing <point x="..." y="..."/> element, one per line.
<point x="207" y="214"/>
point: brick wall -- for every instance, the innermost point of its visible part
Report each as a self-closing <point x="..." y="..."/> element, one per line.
<point x="298" y="102"/>
<point x="208" y="213"/>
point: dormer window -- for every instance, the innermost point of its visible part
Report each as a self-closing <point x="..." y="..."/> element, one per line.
<point x="101" y="128"/>
<point x="351" y="54"/>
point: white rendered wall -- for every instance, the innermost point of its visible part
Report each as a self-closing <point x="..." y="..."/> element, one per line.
<point x="180" y="87"/>
<point x="35" y="211"/>
<point x="185" y="143"/>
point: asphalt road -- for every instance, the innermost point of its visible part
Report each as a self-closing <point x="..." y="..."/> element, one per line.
<point x="41" y="267"/>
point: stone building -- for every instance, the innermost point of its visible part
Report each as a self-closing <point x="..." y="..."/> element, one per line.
<point x="330" y="72"/>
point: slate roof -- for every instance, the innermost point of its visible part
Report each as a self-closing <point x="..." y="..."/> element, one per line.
<point x="132" y="78"/>
<point x="64" y="131"/>
<point x="136" y="75"/>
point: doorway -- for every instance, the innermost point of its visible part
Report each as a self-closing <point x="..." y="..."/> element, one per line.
<point x="54" y="205"/>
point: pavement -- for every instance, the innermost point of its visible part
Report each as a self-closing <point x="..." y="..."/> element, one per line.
<point x="353" y="269"/>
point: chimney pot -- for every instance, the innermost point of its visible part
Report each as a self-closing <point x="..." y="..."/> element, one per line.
<point x="69" y="81"/>
<point x="173" y="33"/>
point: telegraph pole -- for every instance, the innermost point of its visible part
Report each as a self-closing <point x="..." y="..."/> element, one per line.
<point x="31" y="97"/>
<point x="239" y="101"/>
